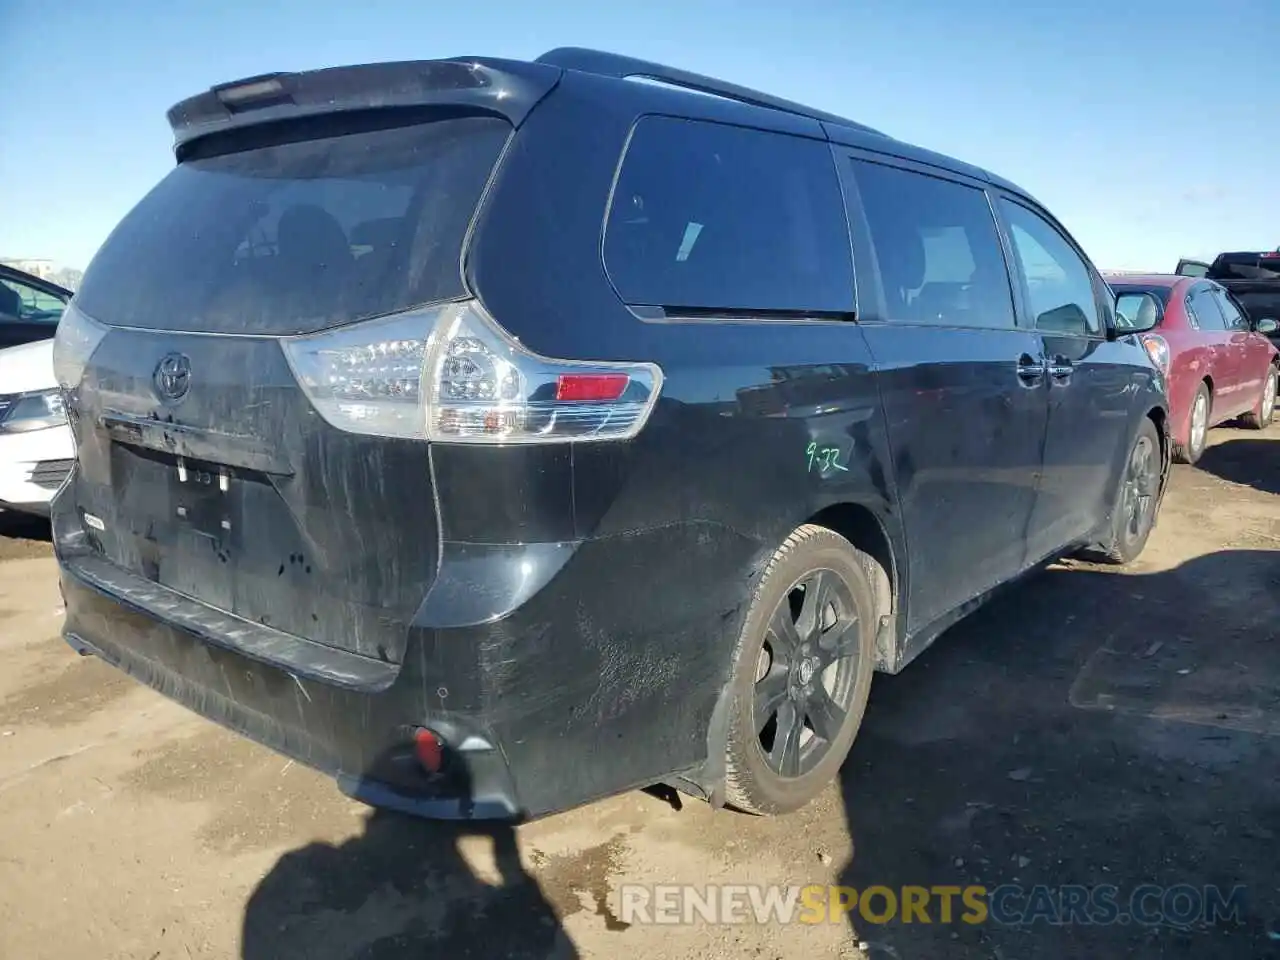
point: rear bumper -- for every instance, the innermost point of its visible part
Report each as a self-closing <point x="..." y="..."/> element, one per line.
<point x="363" y="738"/>
<point x="586" y="689"/>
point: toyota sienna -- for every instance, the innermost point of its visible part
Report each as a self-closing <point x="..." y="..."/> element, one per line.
<point x="497" y="436"/>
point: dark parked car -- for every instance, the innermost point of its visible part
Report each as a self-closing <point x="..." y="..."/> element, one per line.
<point x="30" y="307"/>
<point x="1217" y="363"/>
<point x="1252" y="277"/>
<point x="499" y="435"/>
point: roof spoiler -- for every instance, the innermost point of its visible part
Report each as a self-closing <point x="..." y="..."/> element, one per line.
<point x="508" y="88"/>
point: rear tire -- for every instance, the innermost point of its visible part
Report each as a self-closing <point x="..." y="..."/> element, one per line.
<point x="1198" y="430"/>
<point x="1134" y="515"/>
<point x="1260" y="417"/>
<point x="802" y="672"/>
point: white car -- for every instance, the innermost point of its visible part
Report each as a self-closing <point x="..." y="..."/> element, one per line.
<point x="36" y="448"/>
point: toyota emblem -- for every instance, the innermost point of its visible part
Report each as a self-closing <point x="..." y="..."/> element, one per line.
<point x="172" y="378"/>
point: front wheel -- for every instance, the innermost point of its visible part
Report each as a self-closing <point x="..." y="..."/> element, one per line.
<point x="802" y="672"/>
<point x="1260" y="417"/>
<point x="1134" y="513"/>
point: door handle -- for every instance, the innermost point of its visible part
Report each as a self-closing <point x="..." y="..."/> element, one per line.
<point x="1031" y="370"/>
<point x="1061" y="369"/>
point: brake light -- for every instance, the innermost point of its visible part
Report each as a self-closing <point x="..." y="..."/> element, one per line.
<point x="591" y="386"/>
<point x="451" y="374"/>
<point x="1158" y="349"/>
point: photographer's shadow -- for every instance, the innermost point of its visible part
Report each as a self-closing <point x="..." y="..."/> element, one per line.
<point x="402" y="889"/>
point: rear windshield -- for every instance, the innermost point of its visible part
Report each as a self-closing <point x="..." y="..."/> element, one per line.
<point x="294" y="237"/>
<point x="1246" y="266"/>
<point x="1123" y="289"/>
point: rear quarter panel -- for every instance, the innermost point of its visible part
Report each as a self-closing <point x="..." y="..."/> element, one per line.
<point x="760" y="426"/>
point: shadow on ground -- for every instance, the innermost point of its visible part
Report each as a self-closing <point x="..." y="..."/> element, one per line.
<point x="23" y="536"/>
<point x="24" y="526"/>
<point x="1251" y="463"/>
<point x="402" y="889"/>
<point x="1087" y="728"/>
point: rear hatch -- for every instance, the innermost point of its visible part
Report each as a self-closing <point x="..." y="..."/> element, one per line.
<point x="204" y="467"/>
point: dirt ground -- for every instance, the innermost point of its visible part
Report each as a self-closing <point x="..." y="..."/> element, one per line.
<point x="1089" y="727"/>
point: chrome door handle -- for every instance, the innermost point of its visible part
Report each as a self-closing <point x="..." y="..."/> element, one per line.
<point x="1060" y="368"/>
<point x="1031" y="370"/>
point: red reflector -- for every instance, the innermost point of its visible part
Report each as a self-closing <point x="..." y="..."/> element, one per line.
<point x="1271" y="256"/>
<point x="427" y="747"/>
<point x="591" y="386"/>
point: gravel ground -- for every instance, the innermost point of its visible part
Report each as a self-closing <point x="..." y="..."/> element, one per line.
<point x="1089" y="727"/>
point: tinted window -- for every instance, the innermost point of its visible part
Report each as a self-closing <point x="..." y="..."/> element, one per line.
<point x="301" y="235"/>
<point x="1060" y="291"/>
<point x="1260" y="305"/>
<point x="22" y="303"/>
<point x="1234" y="318"/>
<point x="708" y="216"/>
<point x="1203" y="305"/>
<point x="937" y="248"/>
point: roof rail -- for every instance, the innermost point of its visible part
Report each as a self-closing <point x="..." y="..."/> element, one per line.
<point x="623" y="67"/>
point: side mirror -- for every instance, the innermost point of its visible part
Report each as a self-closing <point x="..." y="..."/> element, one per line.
<point x="1137" y="312"/>
<point x="1267" y="326"/>
<point x="1067" y="320"/>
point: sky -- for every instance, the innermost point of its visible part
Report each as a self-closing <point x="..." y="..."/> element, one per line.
<point x="1150" y="129"/>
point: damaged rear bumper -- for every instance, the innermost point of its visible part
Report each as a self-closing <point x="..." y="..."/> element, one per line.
<point x="358" y="728"/>
<point x="577" y="686"/>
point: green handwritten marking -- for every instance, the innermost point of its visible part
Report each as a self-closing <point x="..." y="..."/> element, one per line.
<point x="827" y="458"/>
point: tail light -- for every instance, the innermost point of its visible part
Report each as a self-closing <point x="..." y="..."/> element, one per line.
<point x="1158" y="350"/>
<point x="73" y="344"/>
<point x="451" y="374"/>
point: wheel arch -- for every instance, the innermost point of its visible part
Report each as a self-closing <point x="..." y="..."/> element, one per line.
<point x="860" y="525"/>
<point x="1159" y="416"/>
<point x="874" y="535"/>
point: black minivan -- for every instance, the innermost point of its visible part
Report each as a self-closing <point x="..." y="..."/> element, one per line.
<point x="497" y="436"/>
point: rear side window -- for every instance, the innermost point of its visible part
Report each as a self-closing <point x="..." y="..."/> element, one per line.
<point x="1203" y="306"/>
<point x="1235" y="320"/>
<point x="297" y="236"/>
<point x="708" y="217"/>
<point x="937" y="248"/>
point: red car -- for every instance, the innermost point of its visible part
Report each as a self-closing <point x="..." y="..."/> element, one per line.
<point x="1218" y="365"/>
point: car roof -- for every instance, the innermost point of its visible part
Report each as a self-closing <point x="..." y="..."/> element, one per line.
<point x="514" y="87"/>
<point x="733" y="104"/>
<point x="1164" y="280"/>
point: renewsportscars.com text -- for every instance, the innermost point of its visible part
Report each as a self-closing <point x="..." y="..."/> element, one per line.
<point x="1181" y="905"/>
